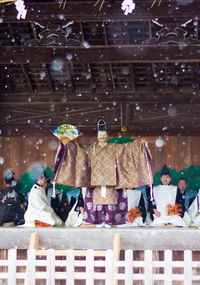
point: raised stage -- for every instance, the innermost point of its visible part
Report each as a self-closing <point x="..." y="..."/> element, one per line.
<point x="95" y="238"/>
<point x="116" y="256"/>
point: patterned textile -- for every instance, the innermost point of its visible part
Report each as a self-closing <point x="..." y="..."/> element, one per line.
<point x="132" y="166"/>
<point x="110" y="214"/>
<point x="174" y="210"/>
<point x="119" y="165"/>
<point x="110" y="198"/>
<point x="73" y="170"/>
<point x="133" y="214"/>
<point x="103" y="165"/>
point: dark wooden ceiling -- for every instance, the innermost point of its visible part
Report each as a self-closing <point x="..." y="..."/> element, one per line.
<point x="78" y="64"/>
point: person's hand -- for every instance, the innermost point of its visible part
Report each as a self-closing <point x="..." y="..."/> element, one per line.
<point x="157" y="213"/>
<point x="142" y="141"/>
<point x="197" y="214"/>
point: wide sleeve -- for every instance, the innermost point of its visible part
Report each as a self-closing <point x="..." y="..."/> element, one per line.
<point x="40" y="209"/>
<point x="74" y="170"/>
<point x="38" y="200"/>
<point x="134" y="165"/>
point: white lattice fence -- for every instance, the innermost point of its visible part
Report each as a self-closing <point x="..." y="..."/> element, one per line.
<point x="90" y="268"/>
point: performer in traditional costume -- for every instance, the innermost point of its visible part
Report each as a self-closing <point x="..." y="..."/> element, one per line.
<point x="165" y="203"/>
<point x="194" y="211"/>
<point x="106" y="170"/>
<point x="136" y="208"/>
<point x="39" y="212"/>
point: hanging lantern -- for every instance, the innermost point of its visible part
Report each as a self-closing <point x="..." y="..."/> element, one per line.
<point x="124" y="129"/>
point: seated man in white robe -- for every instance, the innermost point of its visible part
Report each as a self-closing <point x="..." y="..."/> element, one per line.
<point x="136" y="208"/>
<point x="162" y="203"/>
<point x="194" y="211"/>
<point x="39" y="212"/>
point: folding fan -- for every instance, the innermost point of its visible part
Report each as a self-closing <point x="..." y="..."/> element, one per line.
<point x="66" y="133"/>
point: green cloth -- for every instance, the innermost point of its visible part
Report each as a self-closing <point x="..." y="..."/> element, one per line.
<point x="120" y="140"/>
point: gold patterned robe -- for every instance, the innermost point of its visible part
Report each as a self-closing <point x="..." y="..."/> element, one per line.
<point x="115" y="165"/>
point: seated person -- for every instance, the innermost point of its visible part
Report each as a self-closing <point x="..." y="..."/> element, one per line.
<point x="136" y="208"/>
<point x="166" y="206"/>
<point x="39" y="212"/>
<point x="11" y="209"/>
<point x="194" y="211"/>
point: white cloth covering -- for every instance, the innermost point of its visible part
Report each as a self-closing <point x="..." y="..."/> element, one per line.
<point x="193" y="210"/>
<point x="39" y="208"/>
<point x="164" y="195"/>
<point x="133" y="201"/>
<point x="74" y="219"/>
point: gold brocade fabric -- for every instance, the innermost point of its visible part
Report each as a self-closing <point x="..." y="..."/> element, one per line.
<point x="103" y="165"/>
<point x="111" y="196"/>
<point x="132" y="168"/>
<point x="117" y="165"/>
<point x="74" y="170"/>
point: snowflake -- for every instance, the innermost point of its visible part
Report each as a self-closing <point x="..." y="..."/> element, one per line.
<point x="20" y="7"/>
<point x="128" y="6"/>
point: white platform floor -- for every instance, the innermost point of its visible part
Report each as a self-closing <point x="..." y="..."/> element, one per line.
<point x="95" y="238"/>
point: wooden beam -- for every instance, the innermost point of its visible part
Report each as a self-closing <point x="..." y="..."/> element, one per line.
<point x="133" y="129"/>
<point x="137" y="54"/>
<point x="102" y="99"/>
<point x="86" y="11"/>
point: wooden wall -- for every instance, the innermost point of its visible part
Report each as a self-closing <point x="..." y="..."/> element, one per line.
<point x="21" y="153"/>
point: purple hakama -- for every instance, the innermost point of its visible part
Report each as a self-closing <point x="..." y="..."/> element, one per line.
<point x="110" y="214"/>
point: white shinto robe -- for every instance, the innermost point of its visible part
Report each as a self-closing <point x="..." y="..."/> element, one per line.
<point x="39" y="208"/>
<point x="192" y="211"/>
<point x="164" y="195"/>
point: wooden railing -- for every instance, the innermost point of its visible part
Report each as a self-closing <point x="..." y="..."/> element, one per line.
<point x="69" y="265"/>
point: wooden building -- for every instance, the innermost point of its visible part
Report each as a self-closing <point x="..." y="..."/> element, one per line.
<point x="77" y="64"/>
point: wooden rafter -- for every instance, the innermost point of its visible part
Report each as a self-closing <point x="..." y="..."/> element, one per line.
<point x="132" y="76"/>
<point x="26" y="75"/>
<point x="47" y="75"/>
<point x="111" y="76"/>
<point x="58" y="114"/>
<point x="69" y="78"/>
